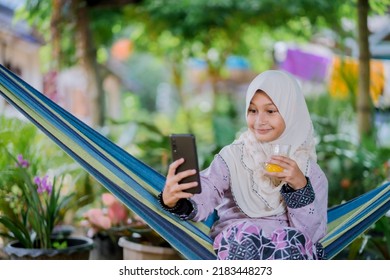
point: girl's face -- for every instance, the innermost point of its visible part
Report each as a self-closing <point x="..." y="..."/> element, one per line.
<point x="264" y="119"/>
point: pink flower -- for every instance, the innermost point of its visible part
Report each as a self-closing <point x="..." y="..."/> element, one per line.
<point x="113" y="214"/>
<point x="108" y="199"/>
<point x="97" y="218"/>
<point x="117" y="212"/>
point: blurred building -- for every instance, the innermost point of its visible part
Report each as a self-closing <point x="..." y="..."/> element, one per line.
<point x="19" y="46"/>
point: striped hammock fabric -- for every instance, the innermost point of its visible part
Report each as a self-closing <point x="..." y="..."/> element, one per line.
<point x="137" y="184"/>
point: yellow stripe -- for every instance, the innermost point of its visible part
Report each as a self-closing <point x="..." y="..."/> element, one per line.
<point x="334" y="228"/>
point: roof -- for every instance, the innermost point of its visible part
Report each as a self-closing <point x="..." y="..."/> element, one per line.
<point x="12" y="4"/>
<point x="20" y="28"/>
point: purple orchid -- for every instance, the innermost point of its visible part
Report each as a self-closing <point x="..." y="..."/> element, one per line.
<point x="43" y="184"/>
<point x="22" y="162"/>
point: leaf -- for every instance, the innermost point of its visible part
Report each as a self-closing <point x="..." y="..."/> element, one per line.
<point x="18" y="230"/>
<point x="60" y="245"/>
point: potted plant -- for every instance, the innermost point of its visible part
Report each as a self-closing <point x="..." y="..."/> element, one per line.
<point x="31" y="207"/>
<point x="119" y="234"/>
<point x="105" y="224"/>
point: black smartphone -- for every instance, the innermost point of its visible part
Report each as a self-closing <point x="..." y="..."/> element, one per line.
<point x="184" y="146"/>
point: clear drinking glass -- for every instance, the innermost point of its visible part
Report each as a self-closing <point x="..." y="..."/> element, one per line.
<point x="277" y="150"/>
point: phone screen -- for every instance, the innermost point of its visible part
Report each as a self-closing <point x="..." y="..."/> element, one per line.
<point x="184" y="146"/>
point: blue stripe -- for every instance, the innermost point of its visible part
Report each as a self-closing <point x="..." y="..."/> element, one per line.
<point x="340" y="210"/>
<point x="353" y="232"/>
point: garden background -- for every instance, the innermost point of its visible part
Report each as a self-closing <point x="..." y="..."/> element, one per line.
<point x="138" y="71"/>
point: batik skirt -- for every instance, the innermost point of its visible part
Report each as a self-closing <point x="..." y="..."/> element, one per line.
<point x="246" y="241"/>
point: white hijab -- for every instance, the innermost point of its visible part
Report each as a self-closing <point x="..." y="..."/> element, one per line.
<point x="256" y="194"/>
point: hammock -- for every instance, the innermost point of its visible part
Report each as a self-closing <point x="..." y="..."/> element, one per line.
<point x="137" y="185"/>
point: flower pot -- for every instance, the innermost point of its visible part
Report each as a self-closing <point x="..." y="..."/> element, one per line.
<point x="78" y="249"/>
<point x="62" y="231"/>
<point x="106" y="247"/>
<point x="138" y="251"/>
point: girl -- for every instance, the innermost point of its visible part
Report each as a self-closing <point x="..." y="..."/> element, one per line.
<point x="262" y="215"/>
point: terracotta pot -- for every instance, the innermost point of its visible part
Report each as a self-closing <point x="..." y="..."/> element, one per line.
<point x="78" y="249"/>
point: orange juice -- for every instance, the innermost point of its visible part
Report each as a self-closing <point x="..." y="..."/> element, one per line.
<point x="270" y="167"/>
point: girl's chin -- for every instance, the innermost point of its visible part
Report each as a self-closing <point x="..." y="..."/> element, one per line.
<point x="263" y="138"/>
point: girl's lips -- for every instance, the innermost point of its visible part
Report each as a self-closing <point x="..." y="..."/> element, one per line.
<point x="262" y="131"/>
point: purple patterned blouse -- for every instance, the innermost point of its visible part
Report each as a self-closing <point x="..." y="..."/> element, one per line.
<point x="306" y="208"/>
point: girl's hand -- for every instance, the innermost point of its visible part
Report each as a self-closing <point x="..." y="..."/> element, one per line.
<point x="291" y="173"/>
<point x="173" y="191"/>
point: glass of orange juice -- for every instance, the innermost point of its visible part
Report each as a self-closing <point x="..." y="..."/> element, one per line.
<point x="277" y="150"/>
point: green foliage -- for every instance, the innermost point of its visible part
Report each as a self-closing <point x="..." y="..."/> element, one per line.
<point x="379" y="6"/>
<point x="19" y="136"/>
<point x="106" y="25"/>
<point x="9" y="128"/>
<point x="180" y="29"/>
<point x="147" y="85"/>
<point x="21" y="208"/>
<point x="37" y="13"/>
<point x="352" y="168"/>
<point x="38" y="211"/>
<point x="187" y="19"/>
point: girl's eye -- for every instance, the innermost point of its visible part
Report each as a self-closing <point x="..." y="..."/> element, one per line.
<point x="251" y="111"/>
<point x="271" y="111"/>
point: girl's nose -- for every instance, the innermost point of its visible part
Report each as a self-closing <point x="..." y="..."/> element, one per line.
<point x="260" y="120"/>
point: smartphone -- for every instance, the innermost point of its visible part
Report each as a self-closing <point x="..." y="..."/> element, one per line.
<point x="184" y="146"/>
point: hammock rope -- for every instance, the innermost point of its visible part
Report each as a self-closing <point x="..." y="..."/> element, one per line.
<point x="136" y="184"/>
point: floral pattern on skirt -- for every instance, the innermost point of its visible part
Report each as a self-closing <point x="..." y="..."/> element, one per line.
<point x="245" y="241"/>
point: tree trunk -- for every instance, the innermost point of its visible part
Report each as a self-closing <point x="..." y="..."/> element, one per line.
<point x="177" y="77"/>
<point x="55" y="34"/>
<point x="87" y="59"/>
<point x="213" y="74"/>
<point x="364" y="103"/>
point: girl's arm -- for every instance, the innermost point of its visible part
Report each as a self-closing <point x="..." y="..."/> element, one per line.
<point x="214" y="181"/>
<point x="307" y="207"/>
